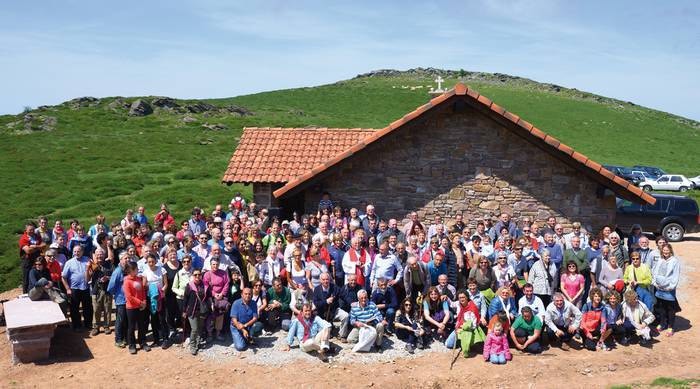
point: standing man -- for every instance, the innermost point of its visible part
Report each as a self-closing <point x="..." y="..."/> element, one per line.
<point x="354" y="261"/>
<point x="197" y="223"/>
<point x="116" y="282"/>
<point x="30" y="247"/>
<point x="386" y="266"/>
<point x="99" y="272"/>
<point x="75" y="281"/>
<point x="337" y="251"/>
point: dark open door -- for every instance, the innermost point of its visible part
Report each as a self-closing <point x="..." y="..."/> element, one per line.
<point x="291" y="204"/>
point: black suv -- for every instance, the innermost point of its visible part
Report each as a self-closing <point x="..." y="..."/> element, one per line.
<point x="671" y="216"/>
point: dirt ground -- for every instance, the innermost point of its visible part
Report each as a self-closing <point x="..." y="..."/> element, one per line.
<point x="81" y="361"/>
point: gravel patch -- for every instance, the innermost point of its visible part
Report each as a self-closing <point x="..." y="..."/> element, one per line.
<point x="267" y="352"/>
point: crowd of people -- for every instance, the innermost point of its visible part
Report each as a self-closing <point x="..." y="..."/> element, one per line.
<point x="486" y="285"/>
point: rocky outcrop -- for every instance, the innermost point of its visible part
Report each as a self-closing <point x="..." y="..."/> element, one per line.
<point x="82" y="102"/>
<point x="140" y="108"/>
<point x="33" y="123"/>
<point x="214" y="127"/>
<point x="164" y="102"/>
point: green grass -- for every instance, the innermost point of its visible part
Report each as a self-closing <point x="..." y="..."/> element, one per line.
<point x="98" y="160"/>
<point x="663" y="382"/>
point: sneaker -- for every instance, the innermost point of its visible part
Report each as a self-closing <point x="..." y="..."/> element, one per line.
<point x="145" y="347"/>
<point x="193" y="351"/>
<point x="669" y="332"/>
<point x="565" y="346"/>
<point x="266" y="333"/>
<point x="644" y="342"/>
<point x="94" y="332"/>
<point x="410" y="348"/>
<point x="659" y="328"/>
<point x="108" y="331"/>
<point x="577" y="338"/>
<point x="120" y="344"/>
<point x="603" y="347"/>
<point x="165" y="345"/>
<point x="132" y="350"/>
<point x="186" y="342"/>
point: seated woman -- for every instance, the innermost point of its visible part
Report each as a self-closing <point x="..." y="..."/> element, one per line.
<point x="496" y="348"/>
<point x="525" y="332"/>
<point x="408" y="325"/>
<point x="437" y="315"/>
<point x="467" y="328"/>
<point x="637" y="317"/>
<point x="594" y="321"/>
<point x="504" y="302"/>
<point x="311" y="331"/>
<point x="504" y="272"/>
<point x="478" y="300"/>
<point x="484" y="276"/>
<point x="638" y="278"/>
<point x="613" y="315"/>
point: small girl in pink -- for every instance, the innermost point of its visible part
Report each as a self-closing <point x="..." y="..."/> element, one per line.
<point x="496" y="349"/>
<point x="573" y="284"/>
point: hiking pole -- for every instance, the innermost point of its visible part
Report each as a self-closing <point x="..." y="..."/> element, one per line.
<point x="454" y="353"/>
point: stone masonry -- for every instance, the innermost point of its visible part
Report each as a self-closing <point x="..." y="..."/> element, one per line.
<point x="448" y="162"/>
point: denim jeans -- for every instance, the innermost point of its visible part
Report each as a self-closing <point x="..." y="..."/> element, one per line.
<point x="497" y="359"/>
<point x="241" y="343"/>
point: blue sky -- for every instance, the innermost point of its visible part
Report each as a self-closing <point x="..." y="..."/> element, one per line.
<point x="647" y="52"/>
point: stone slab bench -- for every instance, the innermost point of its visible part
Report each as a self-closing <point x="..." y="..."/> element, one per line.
<point x="30" y="327"/>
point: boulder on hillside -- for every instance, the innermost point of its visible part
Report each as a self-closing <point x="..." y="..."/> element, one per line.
<point x="82" y="102"/>
<point x="164" y="102"/>
<point x="140" y="108"/>
<point x="32" y="123"/>
<point x="214" y="127"/>
<point x="188" y="119"/>
<point x="236" y="110"/>
<point x="199" y="107"/>
<point x="118" y="104"/>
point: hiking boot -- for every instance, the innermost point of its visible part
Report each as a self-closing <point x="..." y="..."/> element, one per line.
<point x="625" y="341"/>
<point x="410" y="348"/>
<point x="165" y="345"/>
<point x="94" y="332"/>
<point x="193" y="350"/>
<point x="108" y="331"/>
<point x="120" y="344"/>
<point x="145" y="347"/>
<point x="132" y="350"/>
<point x="565" y="346"/>
<point x="322" y="356"/>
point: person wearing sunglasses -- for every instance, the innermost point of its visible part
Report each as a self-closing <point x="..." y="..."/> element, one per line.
<point x="408" y="323"/>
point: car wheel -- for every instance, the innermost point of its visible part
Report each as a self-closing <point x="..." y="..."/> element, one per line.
<point x="684" y="189"/>
<point x="647" y="188"/>
<point x="673" y="232"/>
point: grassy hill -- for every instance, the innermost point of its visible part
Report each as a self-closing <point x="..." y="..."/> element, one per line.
<point x="100" y="159"/>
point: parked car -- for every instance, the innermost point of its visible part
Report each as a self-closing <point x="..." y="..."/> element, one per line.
<point x="652" y="170"/>
<point x="696" y="181"/>
<point x="672" y="216"/>
<point x="623" y="172"/>
<point x="643" y="175"/>
<point x="674" y="182"/>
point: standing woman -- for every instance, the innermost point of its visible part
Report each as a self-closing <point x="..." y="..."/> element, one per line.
<point x="485" y="277"/>
<point x="666" y="275"/>
<point x="315" y="267"/>
<point x="157" y="283"/>
<point x="296" y="273"/>
<point x="460" y="259"/>
<point x="638" y="278"/>
<point x="216" y="285"/>
<point x="542" y="276"/>
<point x="135" y="293"/>
<point x="573" y="284"/>
<point x="172" y="309"/>
<point x="197" y="308"/>
<point x="610" y="274"/>
<point x="182" y="278"/>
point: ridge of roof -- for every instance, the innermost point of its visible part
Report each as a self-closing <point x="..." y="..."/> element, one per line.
<point x="460" y="89"/>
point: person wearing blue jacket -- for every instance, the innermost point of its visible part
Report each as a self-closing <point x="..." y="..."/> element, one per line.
<point x="115" y="289"/>
<point x="503" y="301"/>
<point x="311" y="331"/>
<point x="385" y="299"/>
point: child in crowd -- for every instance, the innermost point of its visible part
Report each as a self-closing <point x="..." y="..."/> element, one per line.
<point x="496" y="349"/>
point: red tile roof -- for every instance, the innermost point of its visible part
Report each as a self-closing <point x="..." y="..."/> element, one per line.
<point x="620" y="186"/>
<point x="295" y="166"/>
<point x="282" y="154"/>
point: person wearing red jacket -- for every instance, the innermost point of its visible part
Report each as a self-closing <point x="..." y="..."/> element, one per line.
<point x="135" y="294"/>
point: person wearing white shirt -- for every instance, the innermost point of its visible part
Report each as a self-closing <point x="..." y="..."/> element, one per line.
<point x="530" y="300"/>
